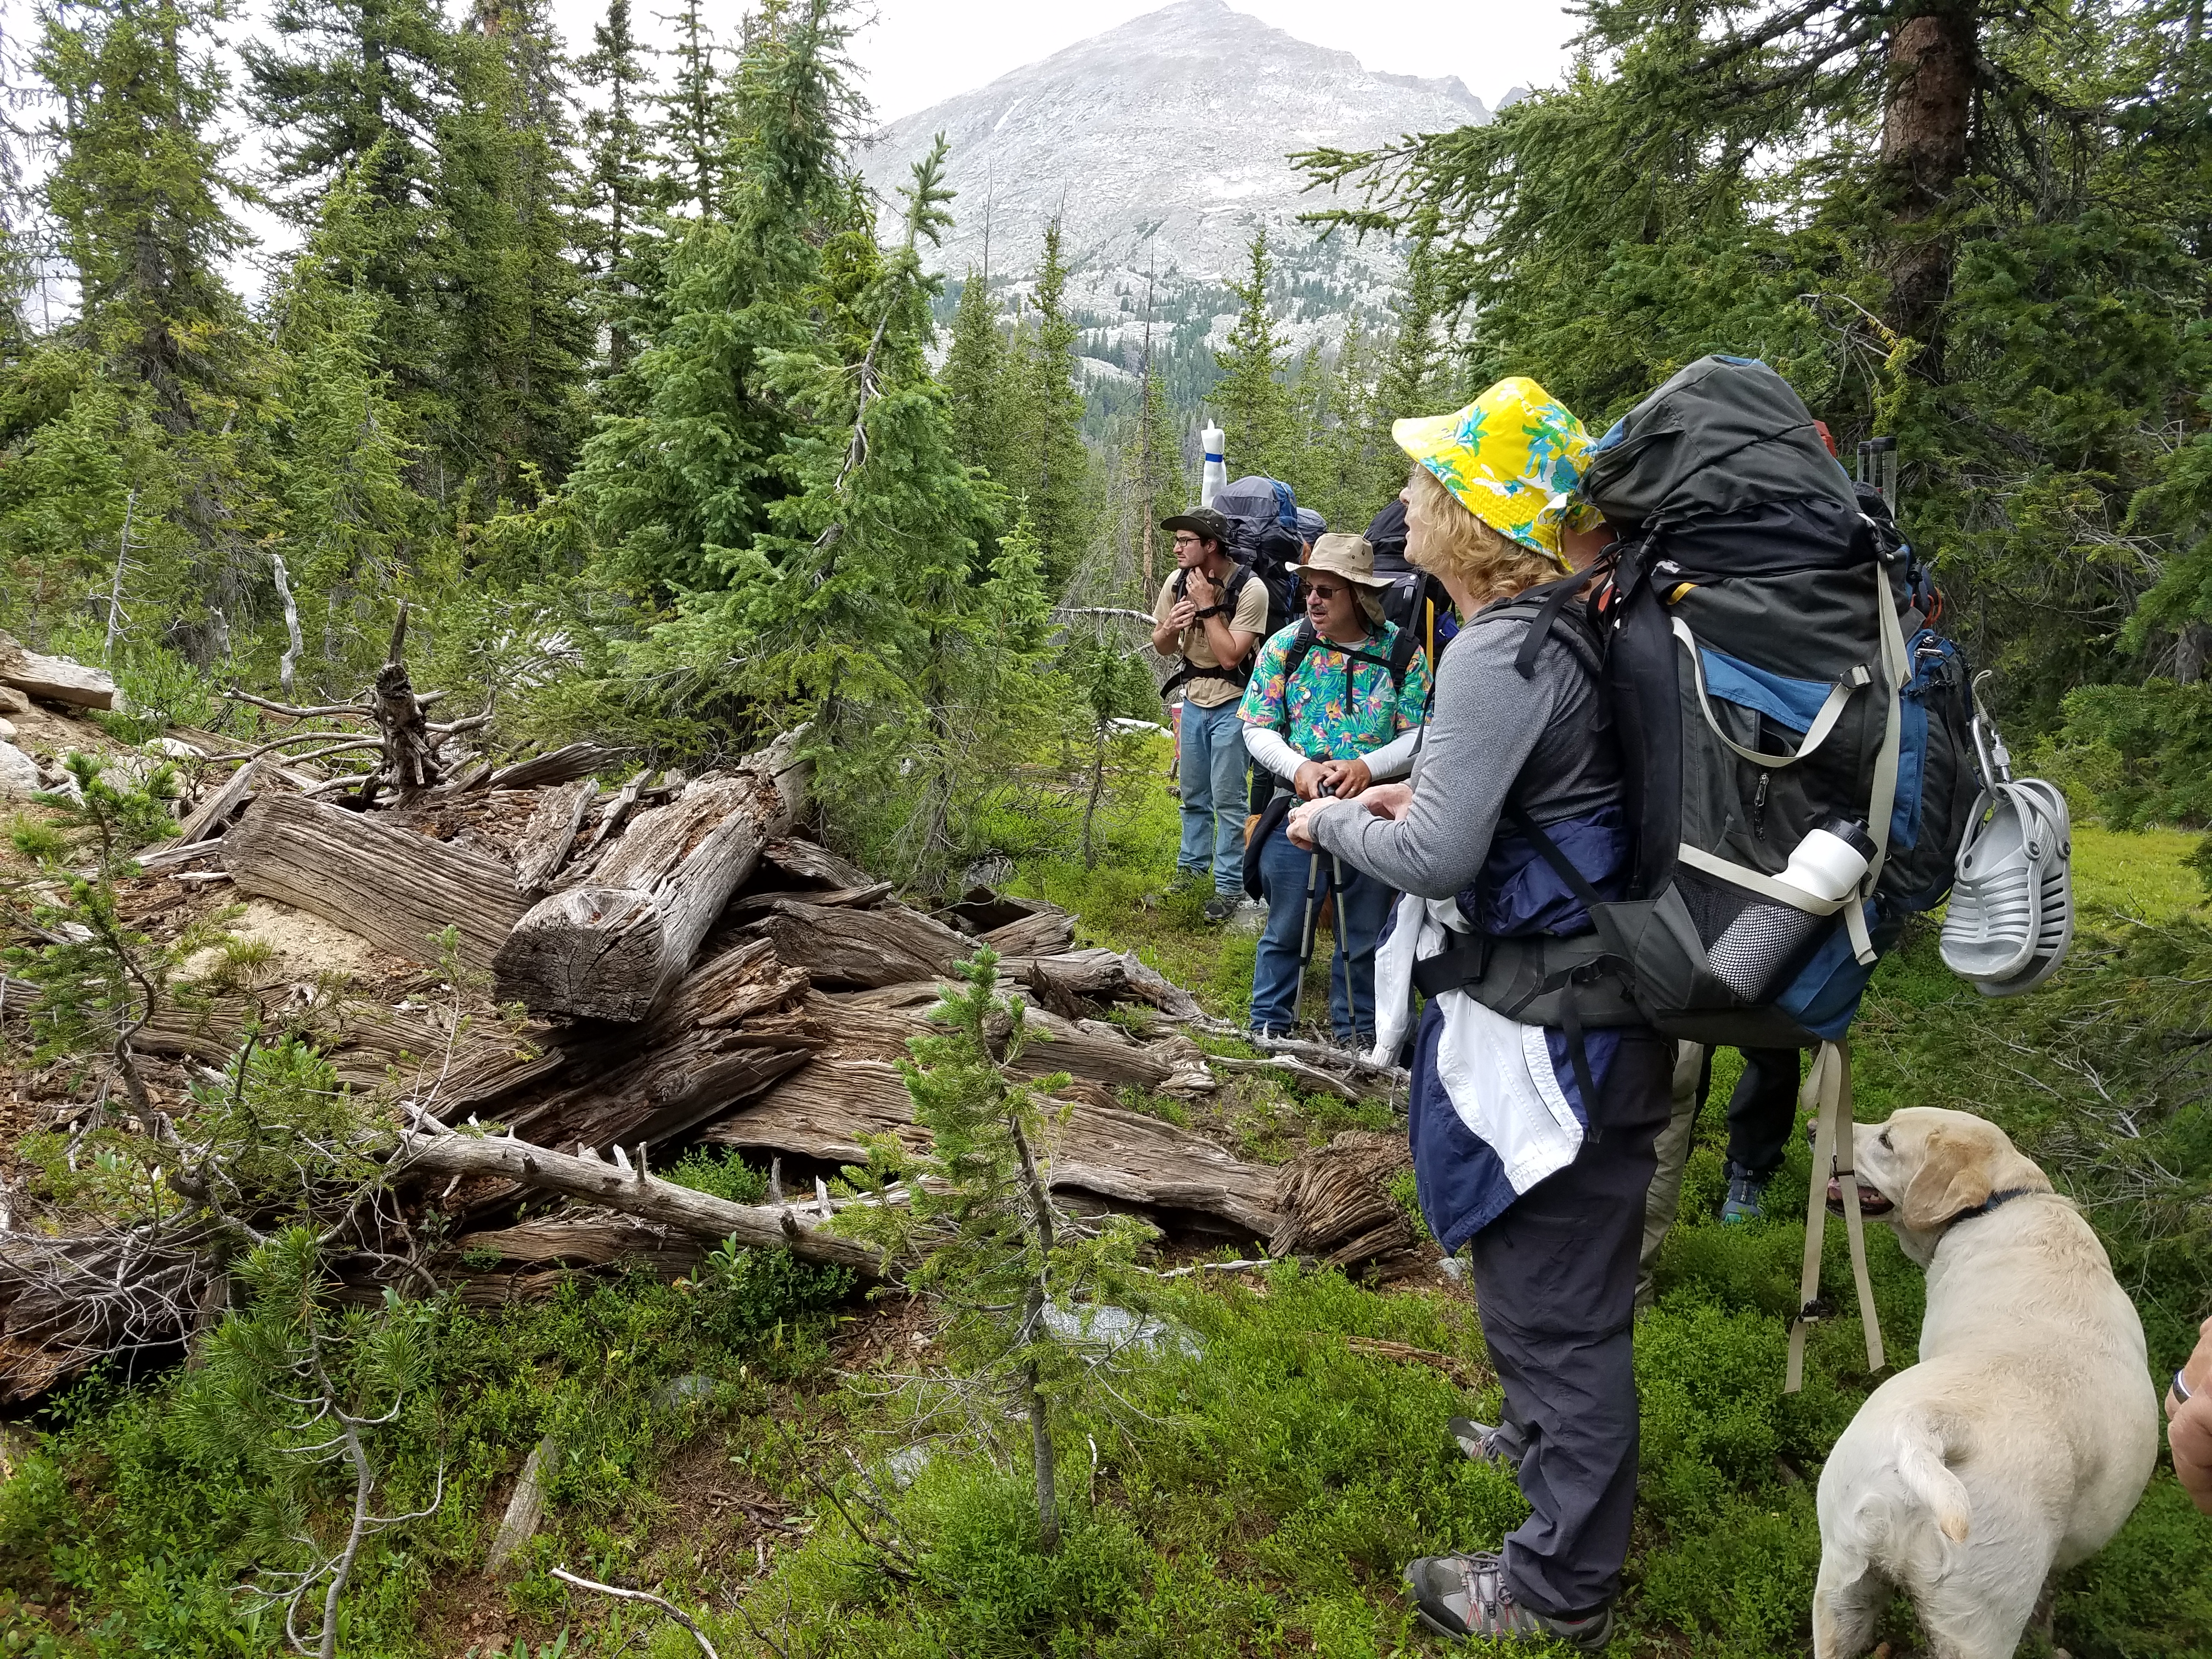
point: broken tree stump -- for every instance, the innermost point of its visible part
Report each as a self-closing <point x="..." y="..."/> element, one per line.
<point x="395" y="889"/>
<point x="614" y="947"/>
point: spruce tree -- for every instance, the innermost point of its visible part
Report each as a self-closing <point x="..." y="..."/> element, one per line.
<point x="620" y="194"/>
<point x="675" y="488"/>
<point x="693" y="133"/>
<point x="137" y="193"/>
<point x="1410" y="380"/>
<point x="1047" y="463"/>
<point x="1256" y="419"/>
<point x="516" y="327"/>
<point x="1158" y="484"/>
<point x="356" y="88"/>
<point x="974" y="377"/>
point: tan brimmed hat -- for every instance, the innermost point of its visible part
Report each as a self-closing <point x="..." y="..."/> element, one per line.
<point x="1348" y="556"/>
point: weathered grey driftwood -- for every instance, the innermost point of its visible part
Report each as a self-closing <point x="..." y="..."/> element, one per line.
<point x="802" y="860"/>
<point x="574" y="760"/>
<point x="1044" y="932"/>
<point x="708" y="1046"/>
<point x="56" y="679"/>
<point x="550" y="833"/>
<point x="211" y="817"/>
<point x="889" y="945"/>
<point x="634" y="1191"/>
<point x="519" y="1525"/>
<point x="825" y="1112"/>
<point x="615" y="947"/>
<point x="395" y="889"/>
<point x="369" y="1046"/>
<point x="1334" y="1202"/>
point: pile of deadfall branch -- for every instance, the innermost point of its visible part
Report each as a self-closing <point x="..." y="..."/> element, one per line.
<point x="692" y="971"/>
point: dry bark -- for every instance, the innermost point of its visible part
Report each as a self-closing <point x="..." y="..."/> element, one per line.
<point x="805" y="861"/>
<point x="825" y="1111"/>
<point x="889" y="944"/>
<point x="396" y="889"/>
<point x="212" y="815"/>
<point x="550" y="833"/>
<point x="67" y="1302"/>
<point x="715" y="1042"/>
<point x="1043" y="932"/>
<point x="1334" y="1203"/>
<point x="575" y="760"/>
<point x="617" y="947"/>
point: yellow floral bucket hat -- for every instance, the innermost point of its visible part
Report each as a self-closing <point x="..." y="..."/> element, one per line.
<point x="1512" y="456"/>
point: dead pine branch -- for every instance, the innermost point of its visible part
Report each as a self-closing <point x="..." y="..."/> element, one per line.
<point x="651" y="1600"/>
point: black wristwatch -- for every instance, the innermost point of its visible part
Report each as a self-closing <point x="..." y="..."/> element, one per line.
<point x="1210" y="610"/>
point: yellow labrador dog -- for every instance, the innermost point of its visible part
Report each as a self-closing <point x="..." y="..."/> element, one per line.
<point x="2021" y="1440"/>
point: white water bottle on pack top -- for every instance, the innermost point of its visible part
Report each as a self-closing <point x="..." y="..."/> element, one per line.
<point x="1216" y="473"/>
<point x="1828" y="866"/>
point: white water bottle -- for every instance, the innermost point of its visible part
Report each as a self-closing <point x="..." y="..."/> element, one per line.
<point x="1764" y="940"/>
<point x="1216" y="471"/>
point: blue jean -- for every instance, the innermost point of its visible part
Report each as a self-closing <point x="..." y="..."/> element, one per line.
<point x="1210" y="761"/>
<point x="1362" y="904"/>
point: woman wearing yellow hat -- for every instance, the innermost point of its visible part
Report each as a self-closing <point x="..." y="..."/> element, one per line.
<point x="1533" y="1105"/>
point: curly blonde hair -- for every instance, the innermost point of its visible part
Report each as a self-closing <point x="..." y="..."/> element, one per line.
<point x="1492" y="565"/>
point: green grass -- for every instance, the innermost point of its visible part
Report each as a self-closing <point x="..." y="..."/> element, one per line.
<point x="2139" y="873"/>
<point x="1259" y="1493"/>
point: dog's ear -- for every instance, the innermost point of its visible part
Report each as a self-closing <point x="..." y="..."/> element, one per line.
<point x="1954" y="1176"/>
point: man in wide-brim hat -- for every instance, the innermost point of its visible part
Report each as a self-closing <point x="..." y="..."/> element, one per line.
<point x="1334" y="704"/>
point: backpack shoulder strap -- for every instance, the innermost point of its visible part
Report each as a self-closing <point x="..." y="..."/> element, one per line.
<point x="1301" y="643"/>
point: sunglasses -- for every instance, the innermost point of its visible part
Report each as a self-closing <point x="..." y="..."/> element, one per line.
<point x="1322" y="591"/>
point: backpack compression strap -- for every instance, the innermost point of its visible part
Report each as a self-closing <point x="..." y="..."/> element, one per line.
<point x="1828" y="1094"/>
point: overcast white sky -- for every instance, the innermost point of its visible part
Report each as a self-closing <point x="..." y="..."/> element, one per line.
<point x="920" y="51"/>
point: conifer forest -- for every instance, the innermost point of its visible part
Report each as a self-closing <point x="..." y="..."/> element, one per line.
<point x="602" y="1053"/>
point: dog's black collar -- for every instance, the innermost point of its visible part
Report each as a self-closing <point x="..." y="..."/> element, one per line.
<point x="1994" y="1201"/>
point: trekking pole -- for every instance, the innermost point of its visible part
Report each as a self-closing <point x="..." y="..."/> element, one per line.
<point x="1313" y="882"/>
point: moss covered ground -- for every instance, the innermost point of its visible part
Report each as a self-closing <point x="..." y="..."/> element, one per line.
<point x="1251" y="1482"/>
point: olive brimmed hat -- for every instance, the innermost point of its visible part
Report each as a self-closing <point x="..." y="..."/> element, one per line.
<point x="1201" y="521"/>
<point x="1512" y="458"/>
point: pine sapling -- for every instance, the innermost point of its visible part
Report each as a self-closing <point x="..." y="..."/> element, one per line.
<point x="979" y="1229"/>
<point x="99" y="979"/>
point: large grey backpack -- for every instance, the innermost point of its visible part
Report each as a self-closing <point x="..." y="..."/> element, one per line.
<point x="1771" y="672"/>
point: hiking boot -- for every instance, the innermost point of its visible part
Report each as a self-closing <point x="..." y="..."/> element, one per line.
<point x="1222" y="906"/>
<point x="1467" y="1596"/>
<point x="1485" y="1442"/>
<point x="1745" y="1190"/>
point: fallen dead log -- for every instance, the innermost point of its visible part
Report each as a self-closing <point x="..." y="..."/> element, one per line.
<point x="614" y="947"/>
<point x="65" y="1304"/>
<point x="804" y="860"/>
<point x="550" y="833"/>
<point x="838" y="946"/>
<point x="1045" y="932"/>
<point x="369" y="1047"/>
<point x="827" y="1110"/>
<point x="212" y="815"/>
<point x="395" y="889"/>
<point x="575" y="760"/>
<point x="634" y="1192"/>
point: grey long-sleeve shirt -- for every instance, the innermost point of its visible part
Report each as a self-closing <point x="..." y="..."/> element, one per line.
<point x="1544" y="744"/>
